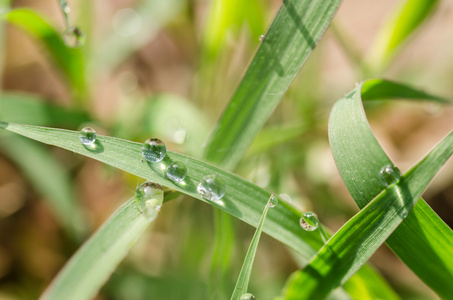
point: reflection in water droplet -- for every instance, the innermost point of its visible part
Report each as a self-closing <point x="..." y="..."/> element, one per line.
<point x="73" y="37"/>
<point x="212" y="187"/>
<point x="309" y="221"/>
<point x="262" y="37"/>
<point x="287" y="198"/>
<point x="273" y="200"/>
<point x="126" y="22"/>
<point x="247" y="296"/>
<point x="154" y="150"/>
<point x="87" y="136"/>
<point x="149" y="197"/>
<point x="389" y="175"/>
<point x="177" y="171"/>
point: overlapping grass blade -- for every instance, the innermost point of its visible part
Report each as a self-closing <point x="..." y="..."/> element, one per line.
<point x="90" y="267"/>
<point x="70" y="61"/>
<point x="406" y="18"/>
<point x="290" y="39"/>
<point x="244" y="276"/>
<point x="360" y="237"/>
<point x="423" y="241"/>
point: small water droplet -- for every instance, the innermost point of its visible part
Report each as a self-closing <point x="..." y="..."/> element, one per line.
<point x="273" y="200"/>
<point x="149" y="197"/>
<point x="262" y="37"/>
<point x="247" y="296"/>
<point x="309" y="221"/>
<point x="154" y="150"/>
<point x="287" y="198"/>
<point x="73" y="37"/>
<point x="87" y="136"/>
<point x="177" y="171"/>
<point x="389" y="175"/>
<point x="212" y="187"/>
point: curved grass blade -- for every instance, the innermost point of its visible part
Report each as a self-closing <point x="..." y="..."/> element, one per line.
<point x="244" y="276"/>
<point x="360" y="237"/>
<point x="290" y="39"/>
<point x="404" y="21"/>
<point x="423" y="248"/>
<point x="70" y="61"/>
<point x="242" y="200"/>
<point x="93" y="263"/>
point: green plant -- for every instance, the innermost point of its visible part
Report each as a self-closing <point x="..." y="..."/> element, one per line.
<point x="390" y="206"/>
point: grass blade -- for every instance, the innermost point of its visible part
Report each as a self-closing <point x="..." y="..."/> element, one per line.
<point x="290" y="39"/>
<point x="424" y="249"/>
<point x="70" y="61"/>
<point x="404" y="21"/>
<point x="93" y="263"/>
<point x="360" y="237"/>
<point x="244" y="276"/>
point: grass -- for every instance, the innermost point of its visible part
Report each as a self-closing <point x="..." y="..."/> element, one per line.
<point x="255" y="134"/>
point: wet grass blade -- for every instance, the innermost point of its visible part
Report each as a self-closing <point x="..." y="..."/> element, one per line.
<point x="423" y="248"/>
<point x="90" y="267"/>
<point x="244" y="276"/>
<point x="289" y="41"/>
<point x="70" y="61"/>
<point x="361" y="236"/>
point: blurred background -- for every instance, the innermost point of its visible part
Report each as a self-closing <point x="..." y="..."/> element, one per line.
<point x="167" y="69"/>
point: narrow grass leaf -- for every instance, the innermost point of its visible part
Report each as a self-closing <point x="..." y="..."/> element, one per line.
<point x="423" y="241"/>
<point x="406" y="18"/>
<point x="244" y="276"/>
<point x="296" y="29"/>
<point x="361" y="236"/>
<point x="90" y="267"/>
<point x="243" y="199"/>
<point x="70" y="61"/>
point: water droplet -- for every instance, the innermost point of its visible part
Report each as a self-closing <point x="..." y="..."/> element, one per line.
<point x="287" y="198"/>
<point x="177" y="171"/>
<point x="273" y="200"/>
<point x="73" y="37"/>
<point x="389" y="175"/>
<point x="247" y="296"/>
<point x="212" y="187"/>
<point x="87" y="136"/>
<point x="154" y="150"/>
<point x="149" y="197"/>
<point x="262" y="37"/>
<point x="309" y="221"/>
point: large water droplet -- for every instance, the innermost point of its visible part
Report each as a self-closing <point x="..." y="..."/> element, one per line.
<point x="154" y="150"/>
<point x="273" y="200"/>
<point x="73" y="37"/>
<point x="309" y="221"/>
<point x="177" y="171"/>
<point x="149" y="197"/>
<point x="247" y="296"/>
<point x="87" y="136"/>
<point x="389" y="175"/>
<point x="212" y="187"/>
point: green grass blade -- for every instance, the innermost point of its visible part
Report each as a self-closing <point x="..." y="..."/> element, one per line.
<point x="244" y="276"/>
<point x="404" y="21"/>
<point x="93" y="263"/>
<point x="359" y="158"/>
<point x="70" y="61"/>
<point x="290" y="39"/>
<point x="361" y="236"/>
<point x="243" y="199"/>
<point x="23" y="108"/>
